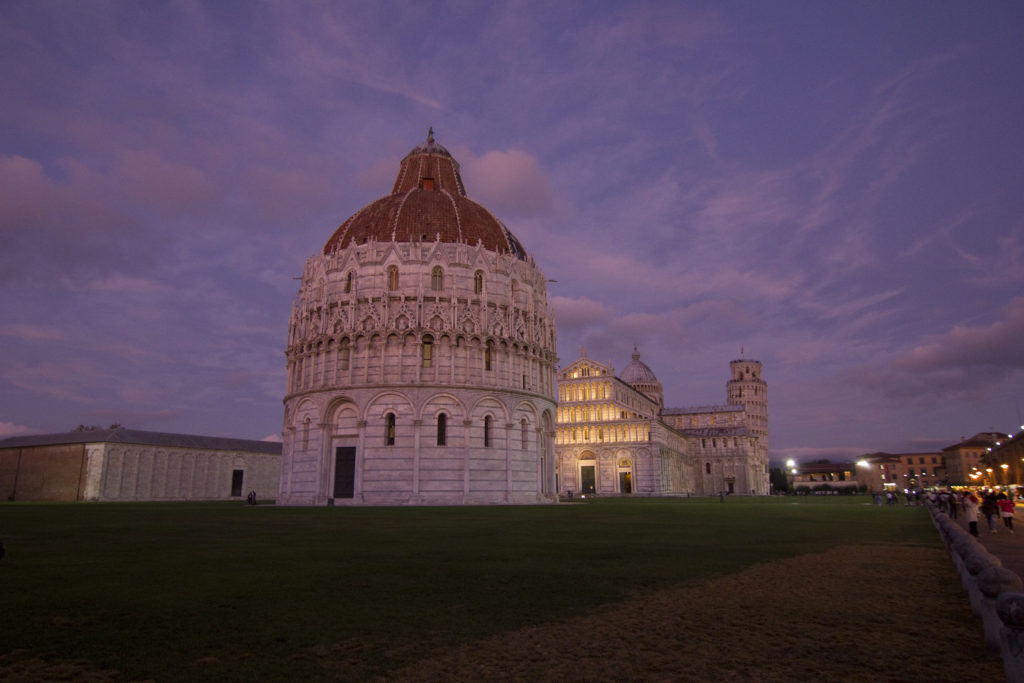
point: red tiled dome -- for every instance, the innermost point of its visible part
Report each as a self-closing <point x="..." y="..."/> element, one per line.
<point x="428" y="202"/>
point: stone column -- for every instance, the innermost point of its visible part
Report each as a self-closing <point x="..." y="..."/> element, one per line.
<point x="360" y="459"/>
<point x="467" y="425"/>
<point x="417" y="426"/>
<point x="508" y="459"/>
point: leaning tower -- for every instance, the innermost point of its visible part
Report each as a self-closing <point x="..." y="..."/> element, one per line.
<point x="746" y="388"/>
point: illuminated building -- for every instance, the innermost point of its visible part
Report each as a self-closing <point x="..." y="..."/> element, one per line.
<point x="614" y="436"/>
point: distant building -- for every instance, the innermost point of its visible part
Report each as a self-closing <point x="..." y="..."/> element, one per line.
<point x="964" y="460"/>
<point x="421" y="355"/>
<point x="828" y="476"/>
<point x="126" y="464"/>
<point x="614" y="437"/>
<point x="1003" y="461"/>
<point x="903" y="471"/>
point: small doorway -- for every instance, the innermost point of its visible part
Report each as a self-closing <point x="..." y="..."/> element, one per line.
<point x="625" y="476"/>
<point x="588" y="479"/>
<point x="236" y="483"/>
<point x="344" y="471"/>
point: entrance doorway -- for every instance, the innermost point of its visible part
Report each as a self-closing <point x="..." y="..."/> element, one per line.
<point x="344" y="471"/>
<point x="588" y="479"/>
<point x="236" y="483"/>
<point x="625" y="476"/>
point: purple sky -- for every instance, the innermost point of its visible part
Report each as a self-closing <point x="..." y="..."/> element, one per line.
<point x="837" y="188"/>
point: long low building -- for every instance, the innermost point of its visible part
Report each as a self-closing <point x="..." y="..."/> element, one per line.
<point x="131" y="465"/>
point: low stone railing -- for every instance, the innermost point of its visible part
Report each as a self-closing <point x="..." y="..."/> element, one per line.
<point x="995" y="592"/>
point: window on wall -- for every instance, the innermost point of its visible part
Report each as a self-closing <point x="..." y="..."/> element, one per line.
<point x="437" y="279"/>
<point x="487" y="357"/>
<point x="392" y="278"/>
<point x="343" y="354"/>
<point x="707" y="468"/>
<point x="389" y="438"/>
<point x="442" y="430"/>
<point x="428" y="351"/>
<point x="487" y="431"/>
<point x="525" y="434"/>
<point x="478" y="282"/>
<point x="348" y="282"/>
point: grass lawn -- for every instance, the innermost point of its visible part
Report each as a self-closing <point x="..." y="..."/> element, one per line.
<point x="222" y="591"/>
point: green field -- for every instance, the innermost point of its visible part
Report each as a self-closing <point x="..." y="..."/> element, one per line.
<point x="150" y="589"/>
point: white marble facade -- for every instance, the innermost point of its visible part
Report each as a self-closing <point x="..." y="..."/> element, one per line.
<point x="421" y="356"/>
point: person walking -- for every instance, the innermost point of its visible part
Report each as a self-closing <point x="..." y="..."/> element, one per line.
<point x="990" y="508"/>
<point x="970" y="505"/>
<point x="1006" y="510"/>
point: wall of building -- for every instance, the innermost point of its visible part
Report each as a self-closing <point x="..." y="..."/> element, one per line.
<point x="458" y="331"/>
<point x="43" y="473"/>
<point x="126" y="472"/>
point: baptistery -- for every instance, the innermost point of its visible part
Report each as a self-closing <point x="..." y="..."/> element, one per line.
<point x="421" y="355"/>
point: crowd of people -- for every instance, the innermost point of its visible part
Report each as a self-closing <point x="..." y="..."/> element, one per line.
<point x="993" y="505"/>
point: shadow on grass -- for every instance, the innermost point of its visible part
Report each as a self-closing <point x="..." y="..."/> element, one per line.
<point x="222" y="591"/>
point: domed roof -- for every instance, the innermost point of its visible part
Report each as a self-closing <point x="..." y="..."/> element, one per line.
<point x="637" y="373"/>
<point x="428" y="202"/>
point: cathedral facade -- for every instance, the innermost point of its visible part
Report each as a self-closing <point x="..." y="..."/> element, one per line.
<point x="615" y="437"/>
<point x="421" y="356"/>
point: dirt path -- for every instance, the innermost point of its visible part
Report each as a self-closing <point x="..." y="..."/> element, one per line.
<point x="839" y="615"/>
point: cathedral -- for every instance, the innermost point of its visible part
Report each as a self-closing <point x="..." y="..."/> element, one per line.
<point x="421" y="356"/>
<point x="421" y="370"/>
<point x="615" y="437"/>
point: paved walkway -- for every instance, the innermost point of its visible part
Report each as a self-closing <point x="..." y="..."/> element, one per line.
<point x="1006" y="546"/>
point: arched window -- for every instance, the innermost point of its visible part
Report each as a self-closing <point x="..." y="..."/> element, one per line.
<point x="442" y="430"/>
<point x="437" y="279"/>
<point x="487" y="431"/>
<point x="487" y="356"/>
<point x="343" y="354"/>
<point x="389" y="438"/>
<point x="428" y="351"/>
<point x="392" y="278"/>
<point x="707" y="468"/>
<point x="348" y="282"/>
<point x="478" y="282"/>
<point x="526" y="435"/>
<point x="305" y="433"/>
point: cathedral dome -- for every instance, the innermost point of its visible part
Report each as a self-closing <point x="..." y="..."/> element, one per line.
<point x="428" y="203"/>
<point x="637" y="373"/>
